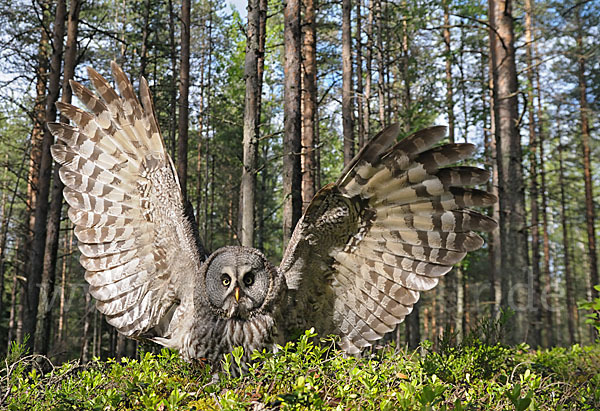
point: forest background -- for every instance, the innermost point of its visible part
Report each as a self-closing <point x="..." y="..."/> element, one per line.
<point x="259" y="112"/>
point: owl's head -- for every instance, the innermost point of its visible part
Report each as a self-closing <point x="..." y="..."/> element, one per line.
<point x="239" y="281"/>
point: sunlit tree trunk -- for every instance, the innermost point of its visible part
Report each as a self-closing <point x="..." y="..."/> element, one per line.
<point x="309" y="103"/>
<point x="360" y="103"/>
<point x="538" y="312"/>
<point x="347" y="89"/>
<point x="292" y="177"/>
<point x="34" y="277"/>
<point x="251" y="130"/>
<point x="47" y="290"/>
<point x="572" y="316"/>
<point x="184" y="90"/>
<point x="510" y="173"/>
<point x="590" y="213"/>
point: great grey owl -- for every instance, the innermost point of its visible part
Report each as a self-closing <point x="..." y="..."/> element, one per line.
<point x="394" y="222"/>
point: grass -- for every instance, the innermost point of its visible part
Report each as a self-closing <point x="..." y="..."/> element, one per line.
<point x="476" y="374"/>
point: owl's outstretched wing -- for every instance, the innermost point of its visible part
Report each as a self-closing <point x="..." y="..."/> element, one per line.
<point x="395" y="221"/>
<point x="124" y="198"/>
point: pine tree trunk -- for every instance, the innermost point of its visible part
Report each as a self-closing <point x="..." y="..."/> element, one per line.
<point x="449" y="82"/>
<point x="85" y="337"/>
<point x="360" y="98"/>
<point x="495" y="255"/>
<point x="53" y="228"/>
<point x="30" y="309"/>
<point x="13" y="335"/>
<point x="381" y="64"/>
<point x="37" y="136"/>
<point x="368" y="77"/>
<point x="347" y="106"/>
<point x="572" y="317"/>
<point x="309" y="103"/>
<point x="510" y="172"/>
<point x="173" y="86"/>
<point x="590" y="214"/>
<point x="251" y="129"/>
<point x="538" y="311"/>
<point x="292" y="177"/>
<point x="145" y="34"/>
<point x="184" y="91"/>
<point x="62" y="319"/>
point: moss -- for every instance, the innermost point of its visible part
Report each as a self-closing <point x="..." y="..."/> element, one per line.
<point x="312" y="374"/>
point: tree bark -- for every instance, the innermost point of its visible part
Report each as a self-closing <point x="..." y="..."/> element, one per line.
<point x="53" y="227"/>
<point x="347" y="106"/>
<point x="449" y="83"/>
<point x="572" y="317"/>
<point x="381" y="64"/>
<point x="292" y="207"/>
<point x="37" y="137"/>
<point x="590" y="214"/>
<point x="368" y="77"/>
<point x="360" y="98"/>
<point x="184" y="90"/>
<point x="309" y="104"/>
<point x="538" y="312"/>
<point x="145" y="35"/>
<point x="173" y="89"/>
<point x="30" y="309"/>
<point x="510" y="172"/>
<point x="251" y="129"/>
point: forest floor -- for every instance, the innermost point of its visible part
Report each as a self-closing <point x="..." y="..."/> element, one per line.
<point x="311" y="374"/>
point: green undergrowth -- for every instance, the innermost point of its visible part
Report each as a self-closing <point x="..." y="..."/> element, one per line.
<point x="312" y="374"/>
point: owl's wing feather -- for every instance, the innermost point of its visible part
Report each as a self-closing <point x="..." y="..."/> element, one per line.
<point x="395" y="222"/>
<point x="124" y="198"/>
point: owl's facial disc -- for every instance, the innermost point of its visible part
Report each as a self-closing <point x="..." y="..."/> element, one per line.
<point x="237" y="282"/>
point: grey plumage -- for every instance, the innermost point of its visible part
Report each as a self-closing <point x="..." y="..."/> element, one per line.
<point x="395" y="221"/>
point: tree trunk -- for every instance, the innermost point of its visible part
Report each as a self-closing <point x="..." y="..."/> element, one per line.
<point x="173" y="89"/>
<point x="184" y="90"/>
<point x="37" y="136"/>
<point x="538" y="312"/>
<point x="572" y="317"/>
<point x="85" y="338"/>
<point x="30" y="309"/>
<point x="53" y="228"/>
<point x="495" y="254"/>
<point x="68" y="247"/>
<point x="368" y="77"/>
<point x="251" y="129"/>
<point x="12" y="316"/>
<point x="413" y="331"/>
<point x="292" y="178"/>
<point x="510" y="172"/>
<point x="448" y="58"/>
<point x="360" y="98"/>
<point x="145" y="34"/>
<point x="347" y="106"/>
<point x="309" y="104"/>
<point x="381" y="64"/>
<point x="590" y="214"/>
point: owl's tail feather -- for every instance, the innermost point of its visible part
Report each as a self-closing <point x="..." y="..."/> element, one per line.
<point x="415" y="225"/>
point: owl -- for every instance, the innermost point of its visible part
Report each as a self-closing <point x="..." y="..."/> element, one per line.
<point x="395" y="221"/>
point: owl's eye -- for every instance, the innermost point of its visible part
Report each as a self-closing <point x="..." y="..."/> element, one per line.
<point x="248" y="279"/>
<point x="225" y="280"/>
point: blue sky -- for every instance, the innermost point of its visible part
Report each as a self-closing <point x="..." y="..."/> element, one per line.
<point x="240" y="5"/>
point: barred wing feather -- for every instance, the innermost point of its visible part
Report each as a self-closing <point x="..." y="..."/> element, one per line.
<point x="124" y="198"/>
<point x="396" y="221"/>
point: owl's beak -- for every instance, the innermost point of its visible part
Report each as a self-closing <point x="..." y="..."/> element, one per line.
<point x="237" y="293"/>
